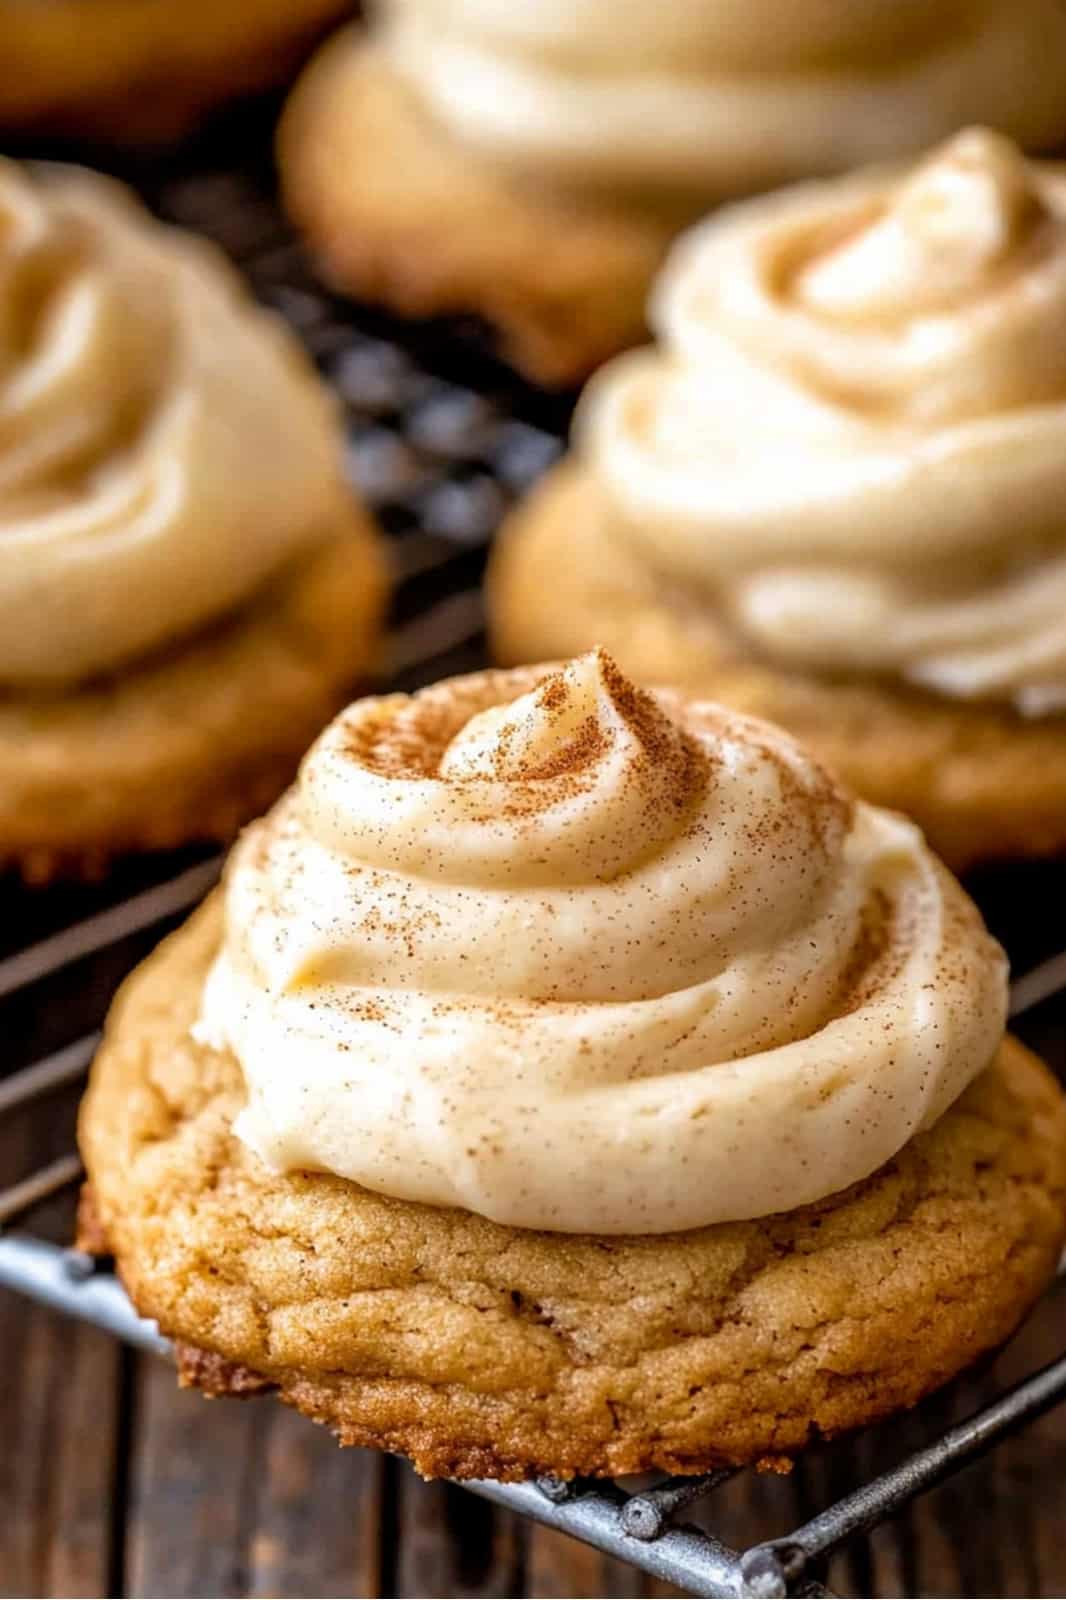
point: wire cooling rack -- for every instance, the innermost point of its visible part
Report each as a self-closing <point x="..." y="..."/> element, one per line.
<point x="440" y="460"/>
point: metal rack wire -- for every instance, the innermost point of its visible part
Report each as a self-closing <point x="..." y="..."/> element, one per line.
<point x="440" y="461"/>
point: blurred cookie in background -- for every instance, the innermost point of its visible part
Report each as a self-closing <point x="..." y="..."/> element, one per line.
<point x="132" y="70"/>
<point x="832" y="493"/>
<point x="531" y="164"/>
<point x="188" y="589"/>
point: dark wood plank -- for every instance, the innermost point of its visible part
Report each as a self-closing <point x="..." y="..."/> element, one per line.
<point x="317" y="1519"/>
<point x="59" y="1381"/>
<point x="1036" y="1470"/>
<point x="58" y="1388"/>
<point x="451" y="1543"/>
<point x="557" y="1565"/>
<point x="241" y="1498"/>
<point x="191" y="1477"/>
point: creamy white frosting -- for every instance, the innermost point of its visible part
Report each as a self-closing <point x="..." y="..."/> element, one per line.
<point x="852" y="438"/>
<point x="726" y="96"/>
<point x="164" y="444"/>
<point x="580" y="958"/>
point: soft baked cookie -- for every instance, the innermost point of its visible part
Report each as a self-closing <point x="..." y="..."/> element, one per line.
<point x="190" y="743"/>
<point x="832" y="496"/>
<point x="188" y="590"/>
<point x="824" y="996"/>
<point x="562" y="277"/>
<point x="484" y="1351"/>
<point x="144" y="69"/>
<point x="549" y="153"/>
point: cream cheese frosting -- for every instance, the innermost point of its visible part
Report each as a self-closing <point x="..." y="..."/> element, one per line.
<point x="581" y="958"/>
<point x="726" y="96"/>
<point x="852" y="439"/>
<point x="164" y="445"/>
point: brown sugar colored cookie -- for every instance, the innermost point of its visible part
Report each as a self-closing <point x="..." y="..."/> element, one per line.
<point x="529" y="164"/>
<point x="484" y="1350"/>
<point x="129" y="70"/>
<point x="830" y="494"/>
<point x="563" y="278"/>
<point x="189" y="743"/>
<point x="983" y="782"/>
<point x="574" y="1079"/>
<point x="189" y="589"/>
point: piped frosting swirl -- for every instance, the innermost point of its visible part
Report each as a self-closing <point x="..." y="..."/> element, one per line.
<point x="853" y="438"/>
<point x="165" y="447"/>
<point x="577" y="957"/>
<point x="706" y="98"/>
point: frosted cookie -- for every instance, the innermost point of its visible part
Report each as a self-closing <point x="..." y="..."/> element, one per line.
<point x="549" y="153"/>
<point x="573" y="1080"/>
<point x="188" y="590"/>
<point x="832" y="494"/>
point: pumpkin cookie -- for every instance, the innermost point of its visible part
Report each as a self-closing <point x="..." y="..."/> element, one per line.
<point x="130" y="70"/>
<point x="832" y="496"/>
<point x="331" y="1133"/>
<point x="562" y="278"/>
<point x="549" y="154"/>
<point x="188" y="590"/>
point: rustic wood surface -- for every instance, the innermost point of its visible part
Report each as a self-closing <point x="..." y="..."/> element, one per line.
<point x="114" y="1482"/>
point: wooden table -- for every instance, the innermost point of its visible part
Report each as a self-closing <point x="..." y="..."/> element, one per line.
<point x="114" y="1482"/>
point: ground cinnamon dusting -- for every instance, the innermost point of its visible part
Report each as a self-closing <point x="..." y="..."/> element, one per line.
<point x="655" y="736"/>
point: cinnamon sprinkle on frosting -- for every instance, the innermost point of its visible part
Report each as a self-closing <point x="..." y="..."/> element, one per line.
<point x="583" y="957"/>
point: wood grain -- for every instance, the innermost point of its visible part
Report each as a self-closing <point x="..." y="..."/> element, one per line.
<point x="317" y="1514"/>
<point x="449" y="1542"/>
<point x="58" y="1416"/>
<point x="244" y="1498"/>
<point x="60" y="1402"/>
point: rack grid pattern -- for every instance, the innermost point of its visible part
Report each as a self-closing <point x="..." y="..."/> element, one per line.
<point x="440" y="460"/>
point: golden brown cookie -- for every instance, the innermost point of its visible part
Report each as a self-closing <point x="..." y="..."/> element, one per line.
<point x="145" y="69"/>
<point x="192" y="741"/>
<point x="189" y="588"/>
<point x="983" y="782"/>
<point x="564" y="280"/>
<point x="480" y="1350"/>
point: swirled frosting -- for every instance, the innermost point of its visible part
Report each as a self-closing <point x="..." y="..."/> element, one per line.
<point x="726" y="96"/>
<point x="575" y="957"/>
<point x="853" y="438"/>
<point x="164" y="445"/>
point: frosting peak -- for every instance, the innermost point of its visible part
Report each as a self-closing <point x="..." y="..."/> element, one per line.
<point x="578" y="957"/>
<point x="551" y="735"/>
<point x="583" y="731"/>
<point x="852" y="440"/>
<point x="583" y="771"/>
<point x="948" y="225"/>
